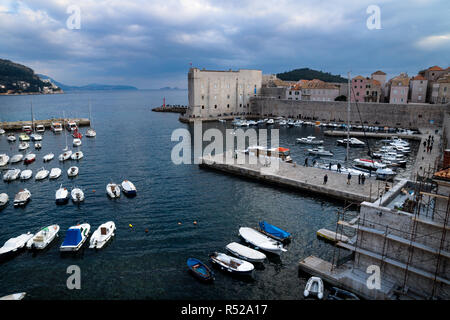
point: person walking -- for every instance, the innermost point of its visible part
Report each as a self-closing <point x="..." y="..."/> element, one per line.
<point x="363" y="178"/>
<point x="306" y="162"/>
<point x="339" y="167"/>
<point x="330" y="166"/>
<point x="431" y="148"/>
<point x="359" y="178"/>
<point x="325" y="179"/>
<point x="349" y="177"/>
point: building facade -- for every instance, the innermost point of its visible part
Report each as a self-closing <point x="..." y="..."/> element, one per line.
<point x="221" y="93"/>
<point x="365" y="90"/>
<point x="444" y="89"/>
<point x="432" y="74"/>
<point x="317" y="90"/>
<point x="418" y="86"/>
<point x="399" y="89"/>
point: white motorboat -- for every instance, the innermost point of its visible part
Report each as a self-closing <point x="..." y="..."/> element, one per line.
<point x="24" y="137"/>
<point x="38" y="145"/>
<point x="321" y="152"/>
<point x="26" y="174"/>
<point x="22" y="198"/>
<point x="76" y="142"/>
<point x="11" y="137"/>
<point x="314" y="287"/>
<point x="14" y="296"/>
<point x="14" y="244"/>
<point x="29" y="158"/>
<point x="2" y="131"/>
<point x="261" y="241"/>
<point x="245" y="252"/>
<point x="71" y="126"/>
<point x="368" y="165"/>
<point x="270" y="121"/>
<point x="385" y="174"/>
<point x="4" y="159"/>
<point x="40" y="128"/>
<point x="64" y="156"/>
<point x="55" y="173"/>
<point x="77" y="155"/>
<point x="352" y="142"/>
<point x="343" y="170"/>
<point x="231" y="264"/>
<point x="113" y="190"/>
<point x="102" y="235"/>
<point x="27" y="129"/>
<point x="56" y="127"/>
<point x="4" y="198"/>
<point x="77" y="195"/>
<point x="23" y="146"/>
<point x="43" y="238"/>
<point x="48" y="157"/>
<point x="42" y="174"/>
<point x="36" y="137"/>
<point x="62" y="195"/>
<point x="75" y="237"/>
<point x="309" y="140"/>
<point x="128" y="188"/>
<point x="11" y="175"/>
<point x="90" y="133"/>
<point x="283" y="123"/>
<point x="17" y="158"/>
<point x="72" y="171"/>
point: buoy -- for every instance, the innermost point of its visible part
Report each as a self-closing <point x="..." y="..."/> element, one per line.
<point x="146" y="230"/>
<point x="179" y="223"/>
<point x="195" y="222"/>
<point x="131" y="226"/>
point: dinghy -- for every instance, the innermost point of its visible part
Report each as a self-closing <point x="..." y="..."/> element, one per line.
<point x="43" y="238"/>
<point x="62" y="195"/>
<point x="128" y="188"/>
<point x="4" y="198"/>
<point x="22" y="198"/>
<point x="113" y="190"/>
<point x="75" y="237"/>
<point x="24" y="137"/>
<point x="72" y="171"/>
<point x="4" y="159"/>
<point x="200" y="270"/>
<point x="102" y="235"/>
<point x="17" y="158"/>
<point x="11" y="175"/>
<point x="14" y="244"/>
<point x="26" y="174"/>
<point x="231" y="264"/>
<point x="77" y="155"/>
<point x="38" y="145"/>
<point x="76" y="142"/>
<point x="245" y="253"/>
<point x="77" y="195"/>
<point x="29" y="158"/>
<point x="65" y="156"/>
<point x="90" y="133"/>
<point x="42" y="174"/>
<point x="11" y="137"/>
<point x="48" y="157"/>
<point x="23" y="146"/>
<point x="274" y="232"/>
<point x="340" y="294"/>
<point x="314" y="287"/>
<point x="261" y="241"/>
<point x="14" y="296"/>
<point x="55" y="173"/>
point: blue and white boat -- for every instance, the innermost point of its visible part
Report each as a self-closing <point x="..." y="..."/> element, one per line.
<point x="75" y="237"/>
<point x="274" y="232"/>
<point x="128" y="188"/>
<point x="200" y="270"/>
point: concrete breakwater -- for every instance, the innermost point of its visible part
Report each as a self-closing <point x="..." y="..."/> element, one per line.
<point x="174" y="109"/>
<point x="378" y="135"/>
<point x="17" y="125"/>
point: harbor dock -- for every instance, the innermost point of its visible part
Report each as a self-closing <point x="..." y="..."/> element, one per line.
<point x="17" y="125"/>
<point x="377" y="135"/>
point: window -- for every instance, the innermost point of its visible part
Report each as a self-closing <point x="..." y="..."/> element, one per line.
<point x="215" y="106"/>
<point x="419" y="98"/>
<point x="203" y="107"/>
<point x="420" y="89"/>
<point x="240" y="105"/>
<point x="203" y="97"/>
<point x="395" y="91"/>
<point x="401" y="100"/>
<point x="228" y="96"/>
<point x="215" y="97"/>
<point x="290" y="92"/>
<point x="215" y="85"/>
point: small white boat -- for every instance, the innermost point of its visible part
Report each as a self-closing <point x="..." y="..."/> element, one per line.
<point x="71" y="126"/>
<point x="77" y="195"/>
<point x="56" y="127"/>
<point x="113" y="190"/>
<point x="76" y="142"/>
<point x="353" y="142"/>
<point x="11" y="175"/>
<point x="77" y="155"/>
<point x="128" y="188"/>
<point x="2" y="131"/>
<point x="48" y="157"/>
<point x="36" y="137"/>
<point x="11" y="137"/>
<point x="23" y="146"/>
<point x="270" y="121"/>
<point x="309" y="140"/>
<point x="24" y="137"/>
<point x="22" y="198"/>
<point x="72" y="171"/>
<point x="14" y="296"/>
<point x="42" y="174"/>
<point x="314" y="287"/>
<point x="75" y="237"/>
<point x="90" y="133"/>
<point x="64" y="156"/>
<point x="245" y="252"/>
<point x="29" y="158"/>
<point x="40" y="128"/>
<point x="4" y="198"/>
<point x="17" y="158"/>
<point x="321" y="152"/>
<point x="102" y="235"/>
<point x="43" y="238"/>
<point x="38" y="145"/>
<point x="367" y="164"/>
<point x="62" y="195"/>
<point x="231" y="264"/>
<point x="14" y="244"/>
<point x="4" y="159"/>
<point x="261" y="241"/>
<point x="26" y="174"/>
<point x="55" y="173"/>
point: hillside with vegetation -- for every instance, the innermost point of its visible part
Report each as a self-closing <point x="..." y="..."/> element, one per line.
<point x="309" y="74"/>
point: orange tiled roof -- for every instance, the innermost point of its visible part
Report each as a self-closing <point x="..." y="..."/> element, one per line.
<point x="315" y="84"/>
<point x="358" y="78"/>
<point x="403" y="79"/>
<point x="443" y="174"/>
<point x="435" y="68"/>
<point x="379" y="72"/>
<point x="418" y="77"/>
<point x="376" y="82"/>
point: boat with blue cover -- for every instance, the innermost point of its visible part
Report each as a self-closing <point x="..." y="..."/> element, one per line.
<point x="274" y="232"/>
<point x="75" y="237"/>
<point x="200" y="270"/>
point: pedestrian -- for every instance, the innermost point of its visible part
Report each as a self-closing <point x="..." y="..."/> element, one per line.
<point x="431" y="148"/>
<point x="330" y="166"/>
<point x="325" y="179"/>
<point x="432" y="138"/>
<point x="424" y="143"/>
<point x="306" y="162"/>
<point x="314" y="163"/>
<point x="363" y="178"/>
<point x="359" y="178"/>
<point x="339" y="167"/>
<point x="349" y="177"/>
<point x="428" y="149"/>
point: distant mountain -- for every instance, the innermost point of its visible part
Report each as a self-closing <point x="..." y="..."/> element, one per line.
<point x="17" y="78"/>
<point x="309" y="74"/>
<point x="89" y="87"/>
<point x="170" y="88"/>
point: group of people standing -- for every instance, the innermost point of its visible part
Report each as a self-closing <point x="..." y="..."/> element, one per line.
<point x="428" y="144"/>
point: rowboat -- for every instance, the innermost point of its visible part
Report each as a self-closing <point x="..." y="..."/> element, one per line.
<point x="72" y="171"/>
<point x="43" y="238"/>
<point x="261" y="241"/>
<point x="42" y="174"/>
<point x="48" y="157"/>
<point x="77" y="195"/>
<point x="75" y="237"/>
<point x="314" y="287"/>
<point x="231" y="264"/>
<point x="200" y="270"/>
<point x="274" y="232"/>
<point x="245" y="253"/>
<point x="55" y="173"/>
<point x="102" y="235"/>
<point x="77" y="155"/>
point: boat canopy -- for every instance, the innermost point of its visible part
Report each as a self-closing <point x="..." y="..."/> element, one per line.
<point x="73" y="237"/>
<point x="273" y="230"/>
<point x="283" y="149"/>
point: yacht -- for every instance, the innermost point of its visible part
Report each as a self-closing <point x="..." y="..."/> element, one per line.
<point x="309" y="140"/>
<point x="352" y="142"/>
<point x="40" y="128"/>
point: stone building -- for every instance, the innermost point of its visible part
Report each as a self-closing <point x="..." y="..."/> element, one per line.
<point x="399" y="88"/>
<point x="221" y="93"/>
<point x="380" y="76"/>
<point x="418" y="89"/>
<point x="317" y="90"/>
<point x="365" y="90"/>
<point x="432" y="74"/>
<point x="444" y="89"/>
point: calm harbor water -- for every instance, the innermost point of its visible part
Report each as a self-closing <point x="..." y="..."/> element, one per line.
<point x="134" y="143"/>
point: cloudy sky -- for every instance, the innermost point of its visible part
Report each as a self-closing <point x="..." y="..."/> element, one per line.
<point x="150" y="44"/>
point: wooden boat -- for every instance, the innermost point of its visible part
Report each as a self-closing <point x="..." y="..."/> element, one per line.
<point x="22" y="198"/>
<point x="43" y="238"/>
<point x="231" y="264"/>
<point x="102" y="235"/>
<point x="55" y="173"/>
<point x="14" y="244"/>
<point x="200" y="270"/>
<point x="128" y="188"/>
<point x="245" y="253"/>
<point x="274" y="232"/>
<point x="261" y="241"/>
<point x="75" y="237"/>
<point x="113" y="190"/>
<point x="314" y="287"/>
<point x="340" y="294"/>
<point x="14" y="296"/>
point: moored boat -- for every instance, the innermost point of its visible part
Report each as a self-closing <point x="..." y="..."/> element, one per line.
<point x="56" y="127"/>
<point x="352" y="142"/>
<point x="22" y="198"/>
<point x="29" y="158"/>
<point x="48" y="157"/>
<point x="65" y="155"/>
<point x="24" y="137"/>
<point x="340" y="294"/>
<point x="102" y="235"/>
<point x="77" y="195"/>
<point x="4" y="159"/>
<point x="314" y="287"/>
<point x="231" y="264"/>
<point x="246" y="253"/>
<point x="17" y="158"/>
<point x="72" y="171"/>
<point x="40" y="128"/>
<point x="55" y="173"/>
<point x="199" y="269"/>
<point x="11" y="175"/>
<point x="43" y="238"/>
<point x="62" y="195"/>
<point x="26" y="174"/>
<point x="320" y="151"/>
<point x="4" y="198"/>
<point x="77" y="155"/>
<point x="76" y="142"/>
<point x="113" y="190"/>
<point x="309" y="140"/>
<point x="14" y="244"/>
<point x="128" y="188"/>
<point x="261" y="241"/>
<point x="75" y="237"/>
<point x="14" y="296"/>
<point x="274" y="232"/>
<point x="42" y="174"/>
<point x="11" y="137"/>
<point x="23" y="146"/>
